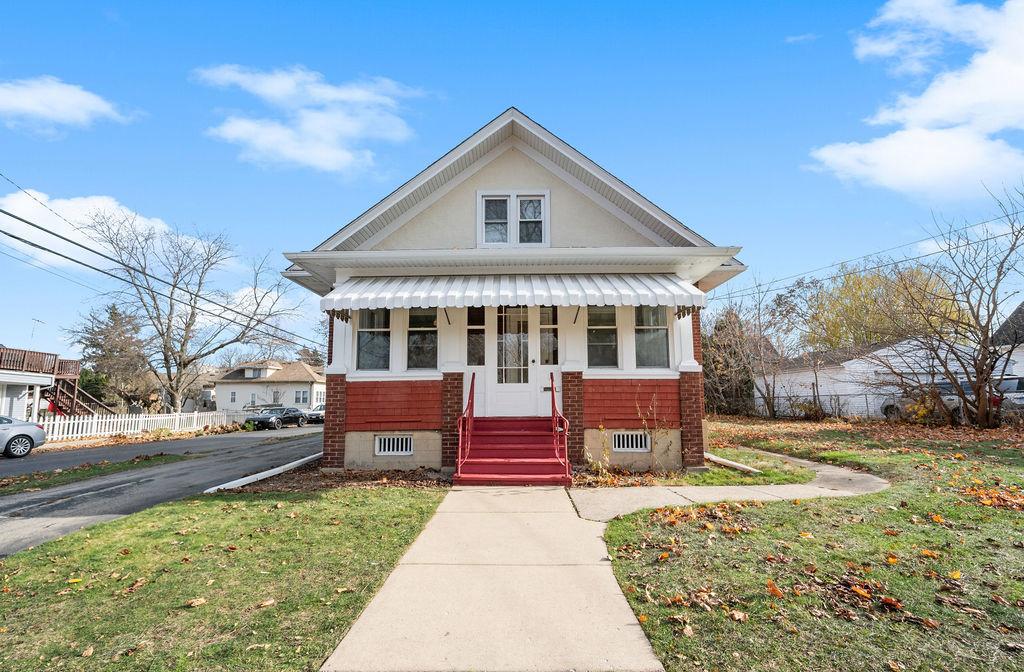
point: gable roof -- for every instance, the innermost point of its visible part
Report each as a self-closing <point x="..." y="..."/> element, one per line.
<point x="1011" y="332"/>
<point x="830" y="358"/>
<point x="545" y="147"/>
<point x="289" y="372"/>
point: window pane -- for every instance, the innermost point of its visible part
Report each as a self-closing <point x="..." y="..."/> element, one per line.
<point x="651" y="316"/>
<point x="602" y="347"/>
<point x="475" y="347"/>
<point x="375" y="319"/>
<point x="531" y="232"/>
<point x="652" y="347"/>
<point x="529" y="208"/>
<point x="422" y="350"/>
<point x="601" y="316"/>
<point x="373" y="350"/>
<point x="496" y="233"/>
<point x="549" y="347"/>
<point x="548" y="316"/>
<point x="475" y="317"/>
<point x="495" y="209"/>
<point x="423" y="318"/>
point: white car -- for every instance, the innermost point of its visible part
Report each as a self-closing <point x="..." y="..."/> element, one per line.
<point x="316" y="414"/>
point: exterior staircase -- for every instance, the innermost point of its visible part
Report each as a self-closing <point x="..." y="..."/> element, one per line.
<point x="68" y="399"/>
<point x="511" y="450"/>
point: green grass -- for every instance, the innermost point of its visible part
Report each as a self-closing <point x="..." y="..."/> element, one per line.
<point x="773" y="470"/>
<point x="38" y="480"/>
<point x="956" y="568"/>
<point x="283" y="577"/>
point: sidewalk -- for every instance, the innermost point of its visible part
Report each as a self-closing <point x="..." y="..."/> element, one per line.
<point x="504" y="579"/>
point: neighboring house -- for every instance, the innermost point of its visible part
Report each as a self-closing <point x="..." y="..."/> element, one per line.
<point x="1010" y="338"/>
<point x="290" y="384"/>
<point x="850" y="381"/>
<point x="32" y="382"/>
<point x="511" y="258"/>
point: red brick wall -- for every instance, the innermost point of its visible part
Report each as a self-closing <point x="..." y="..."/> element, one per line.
<point x="572" y="409"/>
<point x="626" y="404"/>
<point x="391" y="405"/>
<point x="697" y="351"/>
<point x="451" y="409"/>
<point x="334" y="423"/>
<point x="691" y="417"/>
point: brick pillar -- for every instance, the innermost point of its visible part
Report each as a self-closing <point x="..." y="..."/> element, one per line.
<point x="334" y="423"/>
<point x="572" y="409"/>
<point x="451" y="409"/>
<point x="330" y="339"/>
<point x="691" y="404"/>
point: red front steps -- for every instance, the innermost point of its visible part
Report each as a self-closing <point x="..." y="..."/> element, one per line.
<point x="512" y="451"/>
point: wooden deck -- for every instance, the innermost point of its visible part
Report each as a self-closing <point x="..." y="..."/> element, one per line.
<point x="31" y="361"/>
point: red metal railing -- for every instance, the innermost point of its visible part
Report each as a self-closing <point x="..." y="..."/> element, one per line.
<point x="465" y="427"/>
<point x="559" y="432"/>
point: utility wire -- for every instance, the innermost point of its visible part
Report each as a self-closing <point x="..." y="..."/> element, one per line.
<point x="751" y="291"/>
<point x="747" y="291"/>
<point x="138" y="286"/>
<point x="44" y="267"/>
<point x="194" y="295"/>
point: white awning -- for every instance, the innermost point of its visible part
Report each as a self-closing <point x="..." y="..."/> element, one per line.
<point x="459" y="291"/>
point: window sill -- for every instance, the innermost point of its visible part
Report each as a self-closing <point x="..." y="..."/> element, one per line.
<point x="651" y="374"/>
<point x="416" y="374"/>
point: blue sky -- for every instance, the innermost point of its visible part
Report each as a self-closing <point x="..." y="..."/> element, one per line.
<point x="718" y="112"/>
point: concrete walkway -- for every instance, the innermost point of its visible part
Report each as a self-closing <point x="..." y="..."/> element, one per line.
<point x="507" y="579"/>
<point x="503" y="579"/>
<point x="603" y="504"/>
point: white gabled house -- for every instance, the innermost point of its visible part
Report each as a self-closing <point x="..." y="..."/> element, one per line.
<point x="512" y="261"/>
<point x="289" y="384"/>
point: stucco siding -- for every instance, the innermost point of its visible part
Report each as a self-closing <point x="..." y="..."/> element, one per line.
<point x="450" y="222"/>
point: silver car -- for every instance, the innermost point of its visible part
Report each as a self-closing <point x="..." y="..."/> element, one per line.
<point x="19" y="438"/>
<point x="316" y="414"/>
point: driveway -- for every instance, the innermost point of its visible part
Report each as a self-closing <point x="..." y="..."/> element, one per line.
<point x="43" y="460"/>
<point x="30" y="518"/>
<point x="505" y="579"/>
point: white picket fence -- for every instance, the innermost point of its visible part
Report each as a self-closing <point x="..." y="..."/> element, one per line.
<point x="64" y="427"/>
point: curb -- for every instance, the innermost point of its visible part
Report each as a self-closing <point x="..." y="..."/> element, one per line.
<point x="246" y="480"/>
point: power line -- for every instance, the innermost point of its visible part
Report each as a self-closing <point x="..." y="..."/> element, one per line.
<point x="148" y="289"/>
<point x="194" y="295"/>
<point x="748" y="291"/>
<point x="43" y="267"/>
<point x="751" y="291"/>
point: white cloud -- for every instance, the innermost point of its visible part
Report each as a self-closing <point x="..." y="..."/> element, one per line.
<point x="45" y="103"/>
<point x="76" y="210"/>
<point x="950" y="136"/>
<point x="803" y="37"/>
<point x="320" y="125"/>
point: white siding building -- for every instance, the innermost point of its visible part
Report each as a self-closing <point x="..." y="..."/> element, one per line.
<point x="289" y="384"/>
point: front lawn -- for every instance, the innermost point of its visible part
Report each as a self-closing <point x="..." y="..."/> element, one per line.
<point x="242" y="581"/>
<point x="38" y="480"/>
<point x="928" y="574"/>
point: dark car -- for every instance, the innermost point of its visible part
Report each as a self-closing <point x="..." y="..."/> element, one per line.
<point x="276" y="418"/>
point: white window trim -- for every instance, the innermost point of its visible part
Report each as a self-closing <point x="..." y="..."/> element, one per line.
<point x="513" y="196"/>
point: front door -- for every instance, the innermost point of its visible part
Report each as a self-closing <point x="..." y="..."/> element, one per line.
<point x="511" y="382"/>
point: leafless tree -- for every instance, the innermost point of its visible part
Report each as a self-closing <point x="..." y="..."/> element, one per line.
<point x="191" y="318"/>
<point x="947" y="320"/>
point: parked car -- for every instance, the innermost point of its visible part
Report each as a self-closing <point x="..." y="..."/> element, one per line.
<point x="316" y="414"/>
<point x="903" y="406"/>
<point x="1012" y="391"/>
<point x="19" y="438"/>
<point x="276" y="418"/>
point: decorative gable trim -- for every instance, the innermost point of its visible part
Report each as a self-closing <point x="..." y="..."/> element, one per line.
<point x="414" y="196"/>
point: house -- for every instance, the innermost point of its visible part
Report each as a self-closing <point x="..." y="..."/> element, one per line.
<point x="32" y="382"/>
<point x="509" y="285"/>
<point x="1009" y="338"/>
<point x="292" y="384"/>
<point x="856" y="381"/>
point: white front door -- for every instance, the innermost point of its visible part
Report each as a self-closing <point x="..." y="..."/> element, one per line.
<point x="512" y="383"/>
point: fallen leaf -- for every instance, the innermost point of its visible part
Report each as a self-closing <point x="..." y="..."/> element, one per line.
<point x="892" y="603"/>
<point x="955" y="574"/>
<point x="88" y="651"/>
<point x="269" y="602"/>
<point x="663" y="557"/>
<point x="807" y="535"/>
<point x="892" y="559"/>
<point x="74" y="580"/>
<point x="739" y="616"/>
<point x="929" y="553"/>
<point x="642" y="618"/>
<point x="863" y="592"/>
<point x="196" y="602"/>
<point x="774" y="590"/>
<point x="938" y="519"/>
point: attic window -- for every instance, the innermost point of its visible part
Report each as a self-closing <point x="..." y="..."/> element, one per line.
<point x="513" y="219"/>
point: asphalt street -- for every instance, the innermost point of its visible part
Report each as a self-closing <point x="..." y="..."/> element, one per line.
<point x="30" y="518"/>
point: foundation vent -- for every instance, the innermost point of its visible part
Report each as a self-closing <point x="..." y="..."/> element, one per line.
<point x="631" y="442"/>
<point x="392" y="444"/>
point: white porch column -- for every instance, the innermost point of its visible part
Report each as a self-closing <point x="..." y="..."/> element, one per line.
<point x="341" y="346"/>
<point x="35" y="404"/>
<point x="572" y="323"/>
<point x="684" y="344"/>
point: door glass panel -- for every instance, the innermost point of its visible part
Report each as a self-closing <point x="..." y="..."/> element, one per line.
<point x="513" y="345"/>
